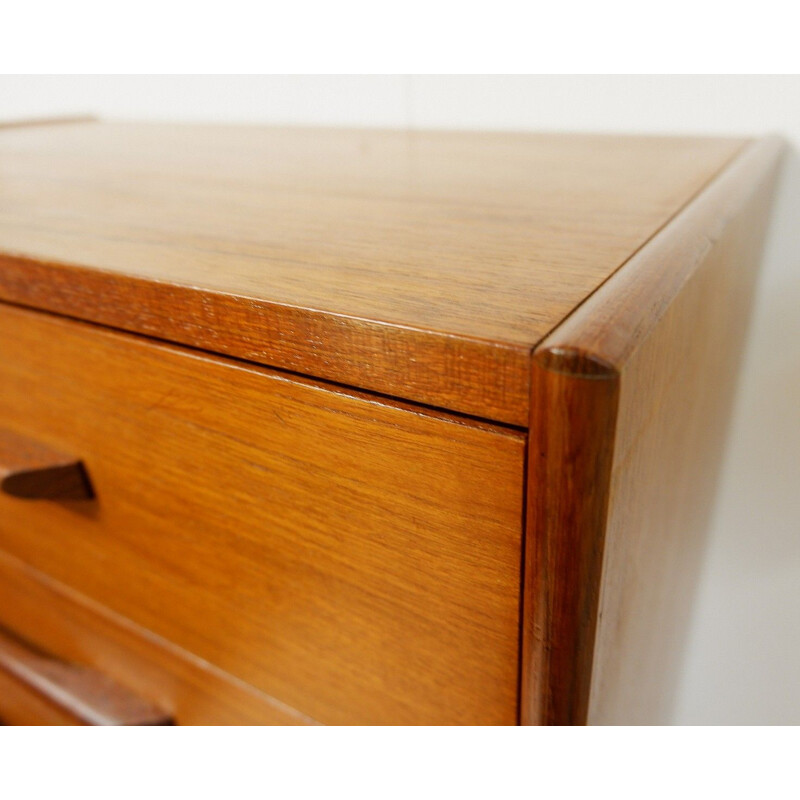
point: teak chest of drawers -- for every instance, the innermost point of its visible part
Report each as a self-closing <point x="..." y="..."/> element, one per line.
<point x="304" y="425"/>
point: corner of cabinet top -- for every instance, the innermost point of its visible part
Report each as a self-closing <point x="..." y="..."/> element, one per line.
<point x="422" y="265"/>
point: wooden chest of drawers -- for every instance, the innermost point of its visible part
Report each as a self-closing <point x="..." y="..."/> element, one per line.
<point x="360" y="427"/>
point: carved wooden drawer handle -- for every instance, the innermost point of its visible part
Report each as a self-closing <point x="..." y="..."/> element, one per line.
<point x="34" y="471"/>
<point x="36" y="689"/>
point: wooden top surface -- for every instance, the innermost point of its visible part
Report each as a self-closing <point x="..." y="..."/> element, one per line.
<point x="421" y="265"/>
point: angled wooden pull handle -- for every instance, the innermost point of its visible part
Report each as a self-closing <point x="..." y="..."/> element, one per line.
<point x="33" y="471"/>
<point x="36" y="689"/>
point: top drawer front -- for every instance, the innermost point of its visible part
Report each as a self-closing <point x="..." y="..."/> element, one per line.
<point x="357" y="560"/>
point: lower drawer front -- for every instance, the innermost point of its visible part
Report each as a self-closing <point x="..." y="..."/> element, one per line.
<point x="39" y="688"/>
<point x="356" y="560"/>
<point x="70" y="627"/>
<point x="19" y="705"/>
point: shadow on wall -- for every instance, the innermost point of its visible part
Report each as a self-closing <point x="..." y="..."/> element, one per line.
<point x="743" y="658"/>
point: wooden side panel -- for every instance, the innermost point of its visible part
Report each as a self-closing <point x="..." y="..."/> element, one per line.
<point x="356" y="559"/>
<point x="675" y="399"/>
<point x="663" y="336"/>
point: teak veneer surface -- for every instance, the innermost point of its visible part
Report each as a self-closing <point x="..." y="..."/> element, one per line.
<point x="631" y="397"/>
<point x="423" y="265"/>
<point x="68" y="624"/>
<point x="357" y="560"/>
<point x="38" y="688"/>
<point x="268" y="547"/>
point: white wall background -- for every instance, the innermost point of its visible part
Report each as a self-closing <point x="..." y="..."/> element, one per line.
<point x="743" y="664"/>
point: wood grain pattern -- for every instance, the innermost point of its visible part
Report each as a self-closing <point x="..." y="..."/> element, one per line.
<point x="355" y="559"/>
<point x="419" y="265"/>
<point x="265" y="547"/>
<point x="68" y="624"/>
<point x="33" y="471"/>
<point x="574" y="406"/>
<point x="632" y="397"/>
<point x="38" y="689"/>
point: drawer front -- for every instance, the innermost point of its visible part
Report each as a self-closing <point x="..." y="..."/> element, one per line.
<point x="357" y="560"/>
<point x="19" y="705"/>
<point x="39" y="688"/>
<point x="75" y="630"/>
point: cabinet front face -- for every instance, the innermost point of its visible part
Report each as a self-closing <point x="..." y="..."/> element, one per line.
<point x="357" y="560"/>
<point x="483" y="504"/>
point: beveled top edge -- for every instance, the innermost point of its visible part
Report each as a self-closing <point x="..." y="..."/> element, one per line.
<point x="603" y="332"/>
<point x="420" y="265"/>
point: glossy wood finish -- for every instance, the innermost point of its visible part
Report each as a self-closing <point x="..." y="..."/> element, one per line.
<point x="33" y="471"/>
<point x="631" y="397"/>
<point x="68" y="624"/>
<point x="572" y="437"/>
<point x="355" y="559"/>
<point x="36" y="688"/>
<point x="269" y="548"/>
<point x="419" y="265"/>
